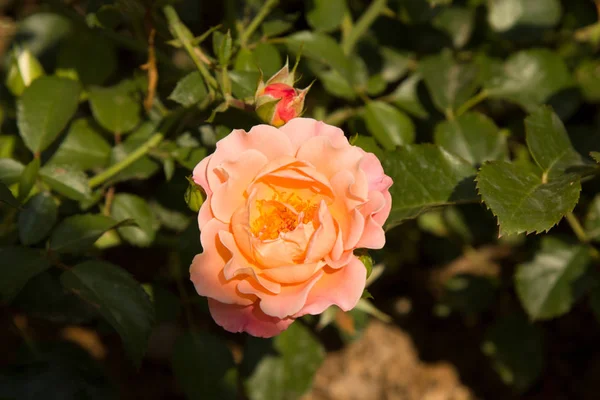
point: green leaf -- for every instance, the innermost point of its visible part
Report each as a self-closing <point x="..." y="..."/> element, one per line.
<point x="289" y="375"/>
<point x="92" y="56"/>
<point x="40" y="116"/>
<point x="203" y="367"/>
<point x="37" y="218"/>
<point x="222" y="47"/>
<point x="449" y="82"/>
<point x="190" y="90"/>
<point x="28" y="178"/>
<point x="129" y="206"/>
<point x="588" y="79"/>
<point x="529" y="78"/>
<point x="23" y="70"/>
<point x="395" y="63"/>
<point x="516" y="349"/>
<point x="83" y="147"/>
<point x="595" y="155"/>
<point x="326" y="15"/>
<point x="506" y="14"/>
<point x="115" y="108"/>
<point x="457" y="22"/>
<point x="78" y="233"/>
<point x="244" y="83"/>
<point x="66" y="180"/>
<point x="472" y="136"/>
<point x="522" y="201"/>
<point x="549" y="143"/>
<point x="434" y="176"/>
<point x="7" y="197"/>
<point x="592" y="219"/>
<point x="406" y="98"/>
<point x="390" y="126"/>
<point x="19" y="265"/>
<point x="118" y="298"/>
<point x="321" y="48"/>
<point x="267" y="58"/>
<point x="10" y="170"/>
<point x="336" y="85"/>
<point x="545" y="285"/>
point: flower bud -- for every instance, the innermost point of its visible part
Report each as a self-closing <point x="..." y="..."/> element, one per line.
<point x="194" y="196"/>
<point x="277" y="101"/>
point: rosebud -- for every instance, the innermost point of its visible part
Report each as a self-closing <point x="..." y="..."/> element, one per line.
<point x="194" y="196"/>
<point x="277" y="101"/>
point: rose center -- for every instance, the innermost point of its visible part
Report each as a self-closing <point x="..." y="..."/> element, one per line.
<point x="281" y="214"/>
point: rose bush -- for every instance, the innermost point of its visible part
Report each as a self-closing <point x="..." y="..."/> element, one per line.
<point x="285" y="210"/>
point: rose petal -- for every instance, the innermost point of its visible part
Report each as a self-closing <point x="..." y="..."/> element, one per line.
<point x="264" y="138"/>
<point x="299" y="130"/>
<point x="229" y="195"/>
<point x="323" y="239"/>
<point x="328" y="158"/>
<point x="206" y="271"/>
<point x="293" y="274"/>
<point x="288" y="302"/>
<point x="376" y="177"/>
<point x="250" y="319"/>
<point x="342" y="287"/>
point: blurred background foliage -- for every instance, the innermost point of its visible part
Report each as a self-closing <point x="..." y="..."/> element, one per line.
<point x="106" y="107"/>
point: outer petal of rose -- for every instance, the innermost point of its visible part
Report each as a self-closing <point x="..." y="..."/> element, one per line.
<point x="205" y="214"/>
<point x="373" y="236"/>
<point x="293" y="274"/>
<point x="251" y="319"/>
<point x="382" y="215"/>
<point x="323" y="238"/>
<point x="342" y="287"/>
<point x="376" y="177"/>
<point x="299" y="130"/>
<point x="291" y="299"/>
<point x="328" y="158"/>
<point x="206" y="271"/>
<point x="229" y="195"/>
<point x="199" y="174"/>
<point x="264" y="138"/>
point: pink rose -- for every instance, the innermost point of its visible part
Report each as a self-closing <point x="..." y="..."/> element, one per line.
<point x="285" y="209"/>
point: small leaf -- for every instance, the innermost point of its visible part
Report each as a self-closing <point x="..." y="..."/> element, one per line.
<point x="28" y="178"/>
<point x="68" y="181"/>
<point x="19" y="265"/>
<point x="516" y="349"/>
<point x="450" y="83"/>
<point x="190" y="90"/>
<point x="10" y="170"/>
<point x="289" y="375"/>
<point x="457" y="22"/>
<point x="390" y="126"/>
<point x="549" y="143"/>
<point x="267" y="58"/>
<point x="507" y="14"/>
<point x="222" y="47"/>
<point x="592" y="219"/>
<point x="118" y="298"/>
<point x="395" y="63"/>
<point x="202" y="364"/>
<point x="406" y="98"/>
<point x="244" y="83"/>
<point x="529" y="78"/>
<point x="92" y="56"/>
<point x="588" y="79"/>
<point x="37" y="218"/>
<point x="40" y="116"/>
<point x="545" y="285"/>
<point x="522" y="201"/>
<point x="115" y="108"/>
<point x="434" y="176"/>
<point x="128" y="206"/>
<point x="7" y="197"/>
<point x="83" y="147"/>
<point x="472" y="136"/>
<point x="326" y="15"/>
<point x="321" y="48"/>
<point x="79" y="232"/>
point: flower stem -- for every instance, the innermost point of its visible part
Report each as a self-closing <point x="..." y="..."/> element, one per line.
<point x="133" y="156"/>
<point x="581" y="234"/>
<point x="255" y="23"/>
<point x="363" y="24"/>
<point x="181" y="32"/>
<point x="472" y="102"/>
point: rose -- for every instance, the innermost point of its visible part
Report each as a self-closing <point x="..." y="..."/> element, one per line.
<point x="277" y="101"/>
<point x="284" y="211"/>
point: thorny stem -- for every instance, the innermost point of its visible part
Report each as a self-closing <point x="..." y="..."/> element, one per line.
<point x="472" y="102"/>
<point x="258" y="19"/>
<point x="134" y="156"/>
<point x="369" y="16"/>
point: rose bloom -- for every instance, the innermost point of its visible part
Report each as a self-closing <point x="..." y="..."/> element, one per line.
<point x="285" y="209"/>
